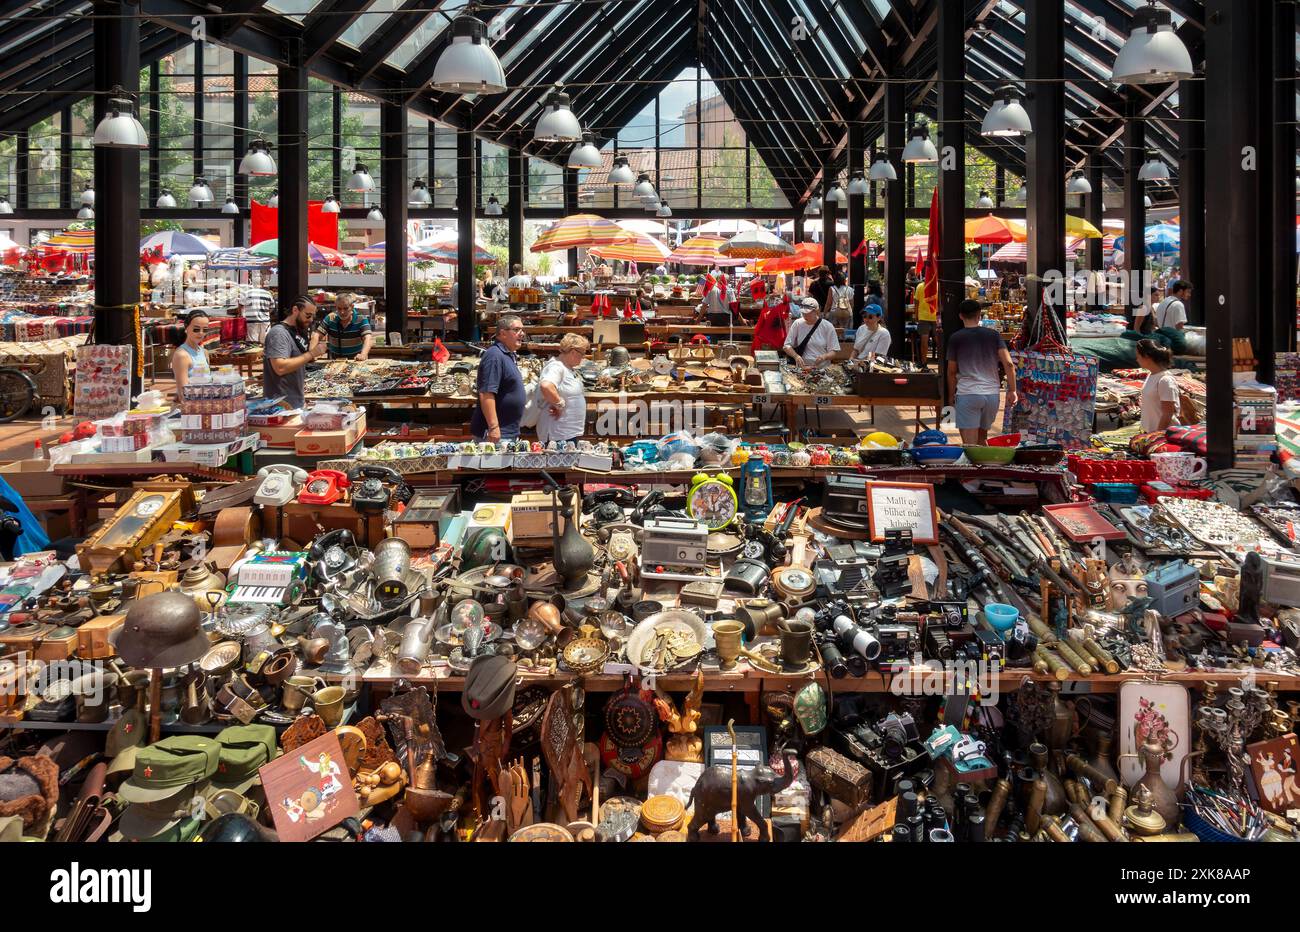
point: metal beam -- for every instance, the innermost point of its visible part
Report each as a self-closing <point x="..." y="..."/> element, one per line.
<point x="291" y="161"/>
<point x="857" y="223"/>
<point x="895" y="229"/>
<point x="466" y="286"/>
<point x="397" y="28"/>
<point x="1191" y="194"/>
<point x="1045" y="150"/>
<point x="393" y="164"/>
<point x="1135" y="212"/>
<point x="518" y="179"/>
<point x="951" y="40"/>
<point x="327" y="21"/>
<point x="1281" y="119"/>
<point x="1093" y="208"/>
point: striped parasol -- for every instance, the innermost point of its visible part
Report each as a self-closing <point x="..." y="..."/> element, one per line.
<point x="238" y="260"/>
<point x="447" y="252"/>
<point x="756" y="244"/>
<point x="703" y="250"/>
<point x="989" y="231"/>
<point x="578" y="230"/>
<point x="377" y="252"/>
<point x="75" y="242"/>
<point x="176" y="243"/>
<point x="321" y="255"/>
<point x="633" y="247"/>
<point x="1018" y="253"/>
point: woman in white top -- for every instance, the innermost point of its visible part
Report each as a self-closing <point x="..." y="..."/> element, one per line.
<point x="839" y="301"/>
<point x="811" y="341"/>
<point x="564" y="406"/>
<point x="1159" y="399"/>
<point x="190" y="359"/>
<point x="872" y="340"/>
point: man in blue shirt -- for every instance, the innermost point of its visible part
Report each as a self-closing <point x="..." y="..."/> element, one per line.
<point x="501" y="395"/>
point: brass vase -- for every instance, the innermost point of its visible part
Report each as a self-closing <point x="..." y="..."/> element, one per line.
<point x="1054" y="802"/>
<point x="1163" y="799"/>
<point x="1101" y="756"/>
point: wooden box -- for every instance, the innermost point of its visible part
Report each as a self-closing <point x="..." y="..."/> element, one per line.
<point x="838" y="776"/>
<point x="39" y="646"/>
<point x="93" y="635"/>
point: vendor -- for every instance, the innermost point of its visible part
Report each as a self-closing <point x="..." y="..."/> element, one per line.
<point x="1172" y="311"/>
<point x="518" y="280"/>
<point x="716" y="298"/>
<point x="872" y="340"/>
<point x="501" y="395"/>
<point x="1159" y="400"/>
<point x="190" y="359"/>
<point x="812" y="341"/>
<point x="346" y="333"/>
<point x="564" y="405"/>
<point x="287" y="353"/>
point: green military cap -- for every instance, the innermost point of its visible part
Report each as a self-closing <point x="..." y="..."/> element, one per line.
<point x="168" y="767"/>
<point x="244" y="748"/>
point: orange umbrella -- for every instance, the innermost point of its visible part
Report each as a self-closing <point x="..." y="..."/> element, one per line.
<point x="806" y="256"/>
<point x="578" y="230"/>
<point x="633" y="247"/>
<point x="989" y="230"/>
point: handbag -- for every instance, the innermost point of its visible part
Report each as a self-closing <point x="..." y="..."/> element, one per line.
<point x="533" y="407"/>
<point x="807" y="337"/>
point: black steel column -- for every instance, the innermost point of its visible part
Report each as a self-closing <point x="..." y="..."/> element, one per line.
<point x="336" y="144"/>
<point x="515" y="207"/>
<point x="1135" y="210"/>
<point x="857" y="222"/>
<point x="291" y="163"/>
<point x="466" y="287"/>
<point x="1045" y="149"/>
<point x="999" y="186"/>
<point x="117" y="226"/>
<point x="1191" y="194"/>
<point x="952" y="172"/>
<point x="571" y="207"/>
<point x="22" y="171"/>
<point x="154" y="126"/>
<point x="830" y="217"/>
<point x="66" y="196"/>
<point x="392" y="158"/>
<point x="240" y="189"/>
<point x="1284" y="185"/>
<point x="798" y="228"/>
<point x="1232" y="287"/>
<point x="1094" y="207"/>
<point x="895" y="222"/>
<point x="200" y="127"/>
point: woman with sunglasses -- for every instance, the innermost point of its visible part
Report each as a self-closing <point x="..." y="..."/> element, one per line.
<point x="190" y="359"/>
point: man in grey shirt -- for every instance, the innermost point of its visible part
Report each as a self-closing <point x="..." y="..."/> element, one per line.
<point x="286" y="353"/>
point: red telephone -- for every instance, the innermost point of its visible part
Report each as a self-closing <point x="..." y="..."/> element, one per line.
<point x="323" y="487"/>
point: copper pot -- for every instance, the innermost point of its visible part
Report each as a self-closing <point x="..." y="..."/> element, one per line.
<point x="548" y="615"/>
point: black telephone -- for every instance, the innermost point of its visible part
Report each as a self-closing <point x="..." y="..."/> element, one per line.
<point x="340" y="537"/>
<point x="652" y="506"/>
<point x="373" y="486"/>
<point x="606" y="506"/>
<point x="328" y="563"/>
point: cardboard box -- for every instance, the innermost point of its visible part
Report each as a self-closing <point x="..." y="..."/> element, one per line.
<point x="208" y="454"/>
<point x="329" y="442"/>
<point x="497" y="516"/>
<point x="531" y="517"/>
<point x="281" y="436"/>
<point x="32" y="478"/>
<point x="139" y="456"/>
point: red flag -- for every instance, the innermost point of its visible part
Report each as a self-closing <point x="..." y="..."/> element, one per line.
<point x="322" y="228"/>
<point x="934" y="245"/>
<point x="440" y="353"/>
<point x="860" y="251"/>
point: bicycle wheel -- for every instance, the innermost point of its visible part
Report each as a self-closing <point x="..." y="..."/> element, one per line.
<point x="17" y="394"/>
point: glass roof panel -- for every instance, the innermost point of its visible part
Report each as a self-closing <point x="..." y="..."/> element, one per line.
<point x="365" y="24"/>
<point x="881" y="7"/>
<point x="525" y="43"/>
<point x="294" y="9"/>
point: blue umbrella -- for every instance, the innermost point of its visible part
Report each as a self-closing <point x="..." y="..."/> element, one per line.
<point x="176" y="243"/>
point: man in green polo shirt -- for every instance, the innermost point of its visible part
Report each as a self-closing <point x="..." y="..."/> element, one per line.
<point x="345" y="333"/>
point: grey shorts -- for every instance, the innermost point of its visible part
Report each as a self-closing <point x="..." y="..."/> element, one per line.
<point x="925" y="327"/>
<point x="976" y="412"/>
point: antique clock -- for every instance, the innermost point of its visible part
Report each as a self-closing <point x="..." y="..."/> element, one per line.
<point x="129" y="534"/>
<point x="712" y="502"/>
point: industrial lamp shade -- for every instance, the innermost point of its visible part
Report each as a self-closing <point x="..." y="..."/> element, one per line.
<point x="86" y="213"/>
<point x="257" y="161"/>
<point x="230" y="207"/>
<point x="274" y="199"/>
<point x="6" y="209"/>
<point x="88" y="197"/>
<point x="375" y="216"/>
<point x="644" y="187"/>
<point x="1153" y="54"/>
<point x="812" y="210"/>
<point x="857" y="185"/>
<point x="331" y="205"/>
<point x="985" y="201"/>
<point x="621" y="173"/>
<point x="1023" y="194"/>
<point x="651" y="203"/>
<point x="1147" y="202"/>
<point x="200" y="193"/>
<point x="882" y="170"/>
<point x="1078" y="184"/>
<point x="420" y="196"/>
<point x="557" y="122"/>
<point x="493" y="207"/>
<point x="836" y="195"/>
<point x="165" y="199"/>
<point x="1154" y="170"/>
<point x="664" y="210"/>
<point x="1007" y="116"/>
<point x="119" y="128"/>
<point x="468" y="65"/>
<point x="585" y="154"/>
<point x="361" y="180"/>
<point x="919" y="148"/>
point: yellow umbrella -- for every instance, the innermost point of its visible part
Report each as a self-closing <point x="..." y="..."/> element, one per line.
<point x="578" y="230"/>
<point x="703" y="250"/>
<point x="633" y="247"/>
<point x="1074" y="226"/>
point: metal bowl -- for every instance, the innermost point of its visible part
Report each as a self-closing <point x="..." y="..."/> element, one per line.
<point x="644" y="632"/>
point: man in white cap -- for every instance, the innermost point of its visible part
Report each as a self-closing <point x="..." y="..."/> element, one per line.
<point x="811" y="341"/>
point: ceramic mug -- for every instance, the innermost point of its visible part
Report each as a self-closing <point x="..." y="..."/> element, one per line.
<point x="328" y="703"/>
<point x="1177" y="468"/>
<point x="297" y="690"/>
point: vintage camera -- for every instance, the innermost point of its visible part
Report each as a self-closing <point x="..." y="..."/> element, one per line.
<point x="1020" y="645"/>
<point x="897" y="642"/>
<point x="896" y="733"/>
<point x="952" y="615"/>
<point x="937" y="644"/>
<point x="991" y="649"/>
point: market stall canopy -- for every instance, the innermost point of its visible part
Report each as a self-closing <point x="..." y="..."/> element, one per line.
<point x="915" y="245"/>
<point x="989" y="231"/>
<point x="813" y="225"/>
<point x="648" y="227"/>
<point x="377" y="252"/>
<point x="1074" y="226"/>
<point x="447" y="252"/>
<point x="1018" y="253"/>
<point x="578" y="231"/>
<point x="1161" y="239"/>
<point x="74" y="242"/>
<point x="176" y="243"/>
<point x="633" y="247"/>
<point x="703" y="250"/>
<point x="756" y="244"/>
<point x="317" y="253"/>
<point x="723" y="227"/>
<point x="802" y="256"/>
<point x="239" y="260"/>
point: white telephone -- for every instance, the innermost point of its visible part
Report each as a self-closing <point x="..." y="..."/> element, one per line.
<point x="280" y="483"/>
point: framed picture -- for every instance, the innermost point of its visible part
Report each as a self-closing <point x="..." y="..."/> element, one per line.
<point x="309" y="789"/>
<point x="902" y="505"/>
<point x="1273" y="772"/>
<point x="1161" y="711"/>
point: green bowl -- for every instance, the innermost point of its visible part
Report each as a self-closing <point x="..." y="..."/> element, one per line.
<point x="984" y="455"/>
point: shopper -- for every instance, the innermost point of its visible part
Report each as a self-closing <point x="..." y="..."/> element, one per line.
<point x="821" y="288"/>
<point x="287" y="353"/>
<point x="564" y="406"/>
<point x="255" y="305"/>
<point x="872" y="340"/>
<point x="974" y="385"/>
<point x="839" y="304"/>
<point x="1172" y="311"/>
<point x="518" y="279"/>
<point x="811" y="341"/>
<point x="925" y="321"/>
<point x="345" y="333"/>
<point x="190" y="359"/>
<point x="501" y="394"/>
<point x="1159" y="398"/>
<point x="716" y="298"/>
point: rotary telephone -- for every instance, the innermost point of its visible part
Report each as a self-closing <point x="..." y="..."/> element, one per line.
<point x="769" y="546"/>
<point x="323" y="487"/>
<point x="606" y="506"/>
<point x="279" y="484"/>
<point x="371" y="488"/>
<point x="331" y="555"/>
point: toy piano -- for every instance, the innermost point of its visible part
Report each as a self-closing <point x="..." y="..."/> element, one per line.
<point x="271" y="578"/>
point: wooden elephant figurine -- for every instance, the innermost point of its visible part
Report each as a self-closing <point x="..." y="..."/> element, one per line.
<point x="712" y="795"/>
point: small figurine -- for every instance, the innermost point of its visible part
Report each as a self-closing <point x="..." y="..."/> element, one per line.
<point x="685" y="744"/>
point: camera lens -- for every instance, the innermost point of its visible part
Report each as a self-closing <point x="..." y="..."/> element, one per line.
<point x="906" y="805"/>
<point x="834" y="660"/>
<point x="902" y="833"/>
<point x="940" y="835"/>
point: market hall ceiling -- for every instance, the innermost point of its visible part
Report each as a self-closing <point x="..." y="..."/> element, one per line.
<point x="795" y="73"/>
